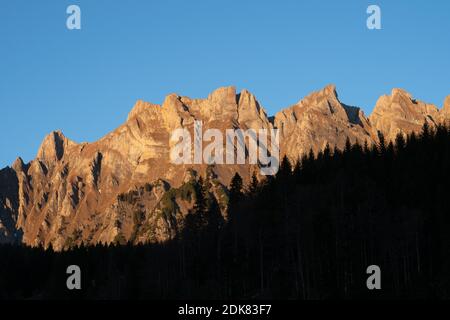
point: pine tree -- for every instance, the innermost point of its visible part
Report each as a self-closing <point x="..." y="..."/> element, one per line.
<point x="253" y="186"/>
<point x="285" y="168"/>
<point x="366" y="148"/>
<point x="348" y="145"/>
<point x="400" y="142"/>
<point x="426" y="131"/>
<point x="382" y="143"/>
<point x="236" y="187"/>
<point x="327" y="151"/>
<point x="200" y="205"/>
<point x="235" y="196"/>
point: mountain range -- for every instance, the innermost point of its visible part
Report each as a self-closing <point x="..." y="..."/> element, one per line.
<point x="123" y="187"/>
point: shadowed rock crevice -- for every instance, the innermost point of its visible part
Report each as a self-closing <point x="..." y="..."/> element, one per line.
<point x="353" y="114"/>
<point x="9" y="205"/>
<point x="96" y="168"/>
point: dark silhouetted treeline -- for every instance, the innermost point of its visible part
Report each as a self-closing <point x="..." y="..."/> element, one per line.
<point x="310" y="232"/>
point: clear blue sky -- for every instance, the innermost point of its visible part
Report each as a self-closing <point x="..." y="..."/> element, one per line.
<point x="85" y="82"/>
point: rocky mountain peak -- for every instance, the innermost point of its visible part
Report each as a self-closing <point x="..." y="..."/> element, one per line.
<point x="173" y="111"/>
<point x="328" y="93"/>
<point x="326" y="102"/>
<point x="398" y="92"/>
<point x="329" y="90"/>
<point x="223" y="96"/>
<point x="318" y="119"/>
<point x="250" y="112"/>
<point x="246" y="100"/>
<point x="53" y="147"/>
<point x="18" y="164"/>
<point x="141" y="107"/>
<point x="401" y="113"/>
<point x="222" y="107"/>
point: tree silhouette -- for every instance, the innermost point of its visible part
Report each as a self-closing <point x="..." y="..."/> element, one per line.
<point x="307" y="233"/>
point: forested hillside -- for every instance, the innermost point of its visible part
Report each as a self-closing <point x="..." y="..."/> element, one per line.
<point x="308" y="233"/>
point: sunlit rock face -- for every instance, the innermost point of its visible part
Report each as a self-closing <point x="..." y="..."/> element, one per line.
<point x="444" y="114"/>
<point x="401" y="113"/>
<point x="120" y="188"/>
<point x="321" y="119"/>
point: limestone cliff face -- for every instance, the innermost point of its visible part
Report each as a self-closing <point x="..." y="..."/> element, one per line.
<point x="123" y="187"/>
<point x="71" y="192"/>
<point x="9" y="203"/>
<point x="318" y="120"/>
<point x="444" y="113"/>
<point x="401" y="113"/>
